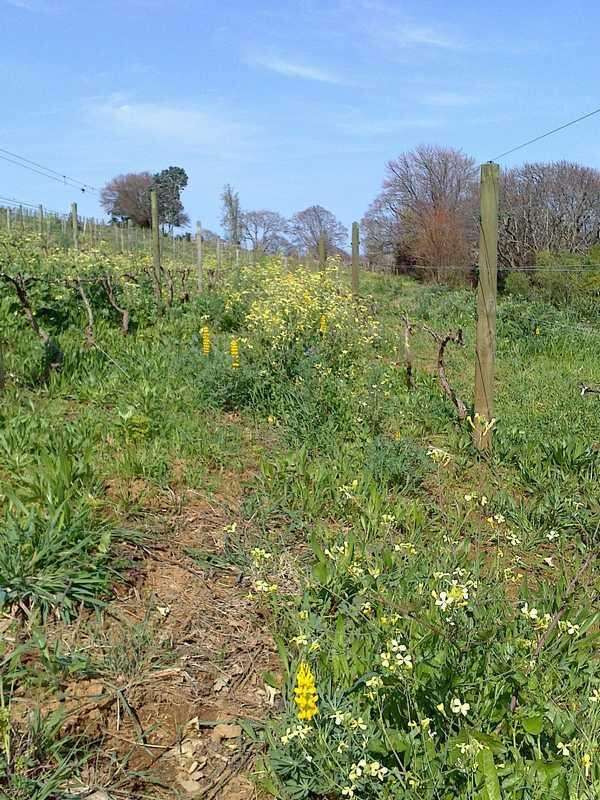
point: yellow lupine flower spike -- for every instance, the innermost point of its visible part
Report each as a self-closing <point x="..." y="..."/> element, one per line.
<point x="305" y="693"/>
<point x="234" y="350"/>
<point x="323" y="324"/>
<point x="205" y="334"/>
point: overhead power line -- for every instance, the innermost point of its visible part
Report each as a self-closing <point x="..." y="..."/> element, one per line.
<point x="548" y="133"/>
<point x="46" y="172"/>
<point x="14" y="201"/>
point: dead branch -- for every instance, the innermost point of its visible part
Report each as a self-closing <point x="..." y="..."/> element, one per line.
<point x="408" y="331"/>
<point x="89" y="328"/>
<point x="443" y="341"/>
<point x="20" y="286"/>
<point x="108" y="288"/>
<point x="587" y="389"/>
<point x="53" y="355"/>
<point x="170" y="285"/>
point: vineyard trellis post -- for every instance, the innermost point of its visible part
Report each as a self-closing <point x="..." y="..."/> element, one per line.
<point x="199" y="264"/>
<point x="322" y="253"/>
<point x="355" y="259"/>
<point x="156" y="246"/>
<point x="485" y="345"/>
<point x="75" y="226"/>
<point x="219" y="261"/>
<point x="41" y="219"/>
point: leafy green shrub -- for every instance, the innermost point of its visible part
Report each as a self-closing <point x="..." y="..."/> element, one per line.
<point x="517" y="283"/>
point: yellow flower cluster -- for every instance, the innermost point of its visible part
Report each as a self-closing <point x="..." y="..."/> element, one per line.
<point x="234" y="351"/>
<point x="305" y="693"/>
<point x="205" y="334"/>
<point x="285" y="306"/>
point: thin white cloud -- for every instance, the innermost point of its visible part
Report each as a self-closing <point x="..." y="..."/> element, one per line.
<point x="410" y="35"/>
<point x="205" y="127"/>
<point x="292" y="69"/>
<point x="386" y="24"/>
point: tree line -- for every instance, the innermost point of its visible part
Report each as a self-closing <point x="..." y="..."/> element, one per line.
<point x="127" y="197"/>
<point x="426" y="214"/>
<point x="424" y="219"/>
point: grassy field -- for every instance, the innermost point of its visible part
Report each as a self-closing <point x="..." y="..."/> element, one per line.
<point x="241" y="557"/>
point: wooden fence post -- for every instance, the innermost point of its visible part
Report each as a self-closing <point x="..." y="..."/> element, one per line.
<point x="41" y="220"/>
<point x="8" y="219"/>
<point x="75" y="226"/>
<point x="199" y="265"/>
<point x="322" y="253"/>
<point x="355" y="259"/>
<point x="156" y="247"/>
<point x="485" y="345"/>
<point x="219" y="260"/>
<point x="129" y="235"/>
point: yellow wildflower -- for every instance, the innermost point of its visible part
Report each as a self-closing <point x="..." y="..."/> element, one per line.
<point x="205" y="334"/>
<point x="305" y="693"/>
<point x="234" y="350"/>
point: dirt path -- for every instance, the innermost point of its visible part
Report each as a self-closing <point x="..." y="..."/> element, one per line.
<point x="193" y="650"/>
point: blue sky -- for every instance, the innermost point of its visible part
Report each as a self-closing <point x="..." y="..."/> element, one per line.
<point x="293" y="103"/>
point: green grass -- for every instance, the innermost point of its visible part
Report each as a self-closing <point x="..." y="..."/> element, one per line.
<point x="386" y="534"/>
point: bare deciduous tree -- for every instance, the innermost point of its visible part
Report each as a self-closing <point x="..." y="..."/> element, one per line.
<point x="425" y="189"/>
<point x="307" y="227"/>
<point x="548" y="207"/>
<point x="231" y="217"/>
<point x="265" y="231"/>
<point x="128" y="197"/>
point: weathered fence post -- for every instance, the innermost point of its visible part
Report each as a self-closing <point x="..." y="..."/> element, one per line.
<point x="219" y="260"/>
<point x="75" y="226"/>
<point x="355" y="259"/>
<point x="8" y="219"/>
<point x="129" y="235"/>
<point x="156" y="246"/>
<point x="485" y="345"/>
<point x="41" y="220"/>
<point x="199" y="265"/>
<point x="322" y="253"/>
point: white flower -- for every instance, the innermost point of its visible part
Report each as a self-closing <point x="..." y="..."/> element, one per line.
<point x="595" y="696"/>
<point x="442" y="600"/>
<point x="563" y="749"/>
<point x="552" y="535"/>
<point x="530" y="613"/>
<point x="572" y="629"/>
<point x="457" y="707"/>
<point x="404" y="660"/>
